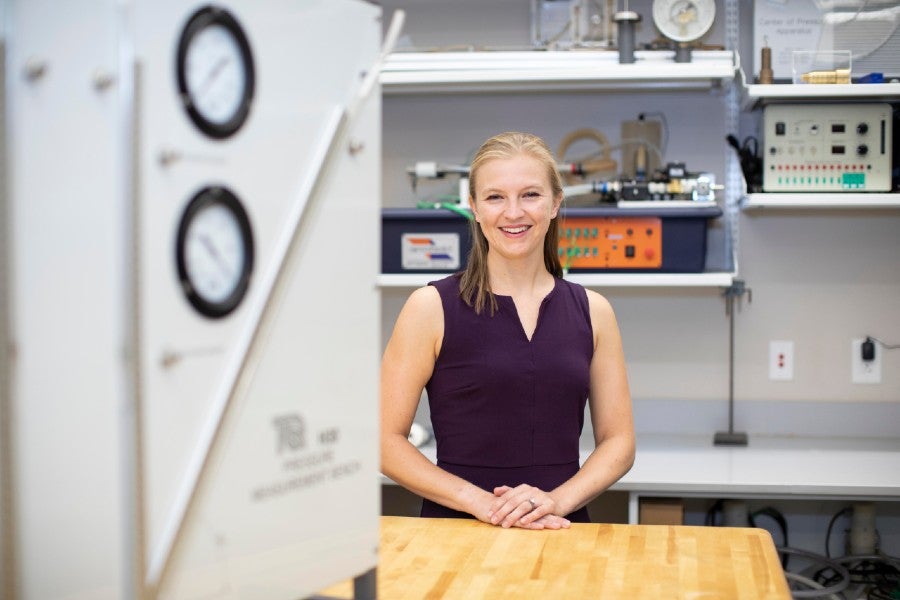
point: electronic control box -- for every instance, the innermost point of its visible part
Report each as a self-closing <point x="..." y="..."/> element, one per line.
<point x="590" y="242"/>
<point x="827" y="147"/>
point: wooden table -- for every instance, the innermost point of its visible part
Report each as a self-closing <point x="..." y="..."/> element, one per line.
<point x="457" y="558"/>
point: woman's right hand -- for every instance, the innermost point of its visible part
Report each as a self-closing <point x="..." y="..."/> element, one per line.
<point x="484" y="505"/>
<point x="527" y="507"/>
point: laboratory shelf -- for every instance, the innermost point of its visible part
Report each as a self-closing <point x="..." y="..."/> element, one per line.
<point x="830" y="200"/>
<point x="550" y="70"/>
<point x="590" y="280"/>
<point x="762" y="93"/>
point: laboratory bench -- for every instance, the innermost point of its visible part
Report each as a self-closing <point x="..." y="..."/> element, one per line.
<point x="769" y="467"/>
<point x="463" y="558"/>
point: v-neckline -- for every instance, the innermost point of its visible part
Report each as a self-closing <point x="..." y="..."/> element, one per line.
<point x="537" y="322"/>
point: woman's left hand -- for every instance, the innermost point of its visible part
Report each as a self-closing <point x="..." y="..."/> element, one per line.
<point x="525" y="506"/>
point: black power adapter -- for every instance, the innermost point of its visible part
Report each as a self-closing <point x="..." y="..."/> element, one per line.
<point x="867" y="349"/>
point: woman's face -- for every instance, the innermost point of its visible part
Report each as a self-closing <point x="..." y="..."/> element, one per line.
<point x="514" y="204"/>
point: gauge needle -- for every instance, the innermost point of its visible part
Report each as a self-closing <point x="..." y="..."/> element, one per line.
<point x="214" y="252"/>
<point x="213" y="74"/>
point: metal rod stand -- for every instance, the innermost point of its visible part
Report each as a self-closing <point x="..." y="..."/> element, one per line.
<point x="732" y="437"/>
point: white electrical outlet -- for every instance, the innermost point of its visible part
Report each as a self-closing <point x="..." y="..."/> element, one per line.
<point x="864" y="371"/>
<point x="781" y="360"/>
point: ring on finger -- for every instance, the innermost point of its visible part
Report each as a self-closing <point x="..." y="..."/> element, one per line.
<point x="533" y="503"/>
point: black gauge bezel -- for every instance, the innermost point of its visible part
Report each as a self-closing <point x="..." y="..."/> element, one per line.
<point x="200" y="20"/>
<point x="205" y="198"/>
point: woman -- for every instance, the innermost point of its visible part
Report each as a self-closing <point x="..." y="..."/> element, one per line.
<point x="509" y="353"/>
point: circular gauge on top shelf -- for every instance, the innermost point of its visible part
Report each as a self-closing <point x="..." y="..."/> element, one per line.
<point x="683" y="20"/>
<point x="214" y="252"/>
<point x="215" y="72"/>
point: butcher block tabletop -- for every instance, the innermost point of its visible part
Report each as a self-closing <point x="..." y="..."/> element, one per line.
<point x="461" y="558"/>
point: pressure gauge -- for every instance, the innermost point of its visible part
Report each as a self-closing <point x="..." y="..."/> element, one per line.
<point x="215" y="72"/>
<point x="214" y="252"/>
<point x="683" y="20"/>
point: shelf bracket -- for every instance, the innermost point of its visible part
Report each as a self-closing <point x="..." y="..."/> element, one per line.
<point x="736" y="291"/>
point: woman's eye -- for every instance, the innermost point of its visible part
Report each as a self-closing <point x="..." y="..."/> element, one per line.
<point x="493" y="197"/>
<point x="532" y="194"/>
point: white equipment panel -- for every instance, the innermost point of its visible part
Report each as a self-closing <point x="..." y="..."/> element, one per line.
<point x="827" y="147"/>
<point x="162" y="449"/>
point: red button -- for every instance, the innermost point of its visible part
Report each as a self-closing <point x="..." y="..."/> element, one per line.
<point x="649" y="253"/>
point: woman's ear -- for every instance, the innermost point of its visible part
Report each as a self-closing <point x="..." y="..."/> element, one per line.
<point x="557" y="202"/>
<point x="472" y="207"/>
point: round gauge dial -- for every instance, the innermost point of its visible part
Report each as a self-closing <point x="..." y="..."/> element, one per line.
<point x="215" y="72"/>
<point x="683" y="20"/>
<point x="214" y="252"/>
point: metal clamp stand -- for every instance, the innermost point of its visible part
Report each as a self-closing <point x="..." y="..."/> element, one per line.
<point x="732" y="437"/>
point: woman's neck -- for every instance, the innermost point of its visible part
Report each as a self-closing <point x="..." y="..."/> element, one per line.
<point x="515" y="278"/>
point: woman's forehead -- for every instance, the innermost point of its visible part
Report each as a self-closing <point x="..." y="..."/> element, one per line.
<point x="517" y="166"/>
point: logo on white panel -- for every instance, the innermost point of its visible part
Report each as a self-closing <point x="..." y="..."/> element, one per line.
<point x="291" y="432"/>
<point x="430" y="251"/>
<point x="304" y="466"/>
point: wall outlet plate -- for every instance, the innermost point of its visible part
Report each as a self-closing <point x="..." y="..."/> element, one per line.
<point x="781" y="360"/>
<point x="868" y="371"/>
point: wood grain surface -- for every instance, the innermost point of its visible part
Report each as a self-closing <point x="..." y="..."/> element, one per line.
<point x="459" y="558"/>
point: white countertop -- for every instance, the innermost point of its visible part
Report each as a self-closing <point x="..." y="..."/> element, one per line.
<point x="769" y="466"/>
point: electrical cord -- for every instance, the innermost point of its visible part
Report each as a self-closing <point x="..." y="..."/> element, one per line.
<point x="879" y="574"/>
<point x="826" y="590"/>
<point x="710" y="519"/>
<point x="809" y="583"/>
<point x="836" y="516"/>
<point x="774" y="514"/>
<point x="869" y="338"/>
<point x="751" y="162"/>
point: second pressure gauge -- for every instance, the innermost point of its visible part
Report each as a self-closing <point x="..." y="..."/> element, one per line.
<point x="683" y="20"/>
<point x="215" y="72"/>
<point x="214" y="252"/>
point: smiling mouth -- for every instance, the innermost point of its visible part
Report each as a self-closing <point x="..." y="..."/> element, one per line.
<point x="514" y="230"/>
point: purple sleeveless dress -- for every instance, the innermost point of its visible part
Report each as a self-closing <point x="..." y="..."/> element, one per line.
<point x="506" y="410"/>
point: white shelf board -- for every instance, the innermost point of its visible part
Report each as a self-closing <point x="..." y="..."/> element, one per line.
<point x="850" y="201"/>
<point x="591" y="280"/>
<point x="479" y="71"/>
<point x="760" y="93"/>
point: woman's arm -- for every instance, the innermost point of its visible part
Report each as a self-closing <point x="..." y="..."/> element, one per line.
<point x="405" y="369"/>
<point x="611" y="418"/>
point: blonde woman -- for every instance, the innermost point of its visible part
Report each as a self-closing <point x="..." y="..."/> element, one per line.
<point x="509" y="353"/>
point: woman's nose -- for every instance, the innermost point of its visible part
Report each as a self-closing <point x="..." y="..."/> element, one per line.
<point x="513" y="208"/>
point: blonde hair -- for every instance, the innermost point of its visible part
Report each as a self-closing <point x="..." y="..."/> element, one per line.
<point x="475" y="286"/>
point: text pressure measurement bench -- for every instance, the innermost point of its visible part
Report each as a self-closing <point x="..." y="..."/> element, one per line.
<point x="597" y="239"/>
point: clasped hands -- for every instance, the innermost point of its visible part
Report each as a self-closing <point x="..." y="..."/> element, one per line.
<point x="524" y="506"/>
